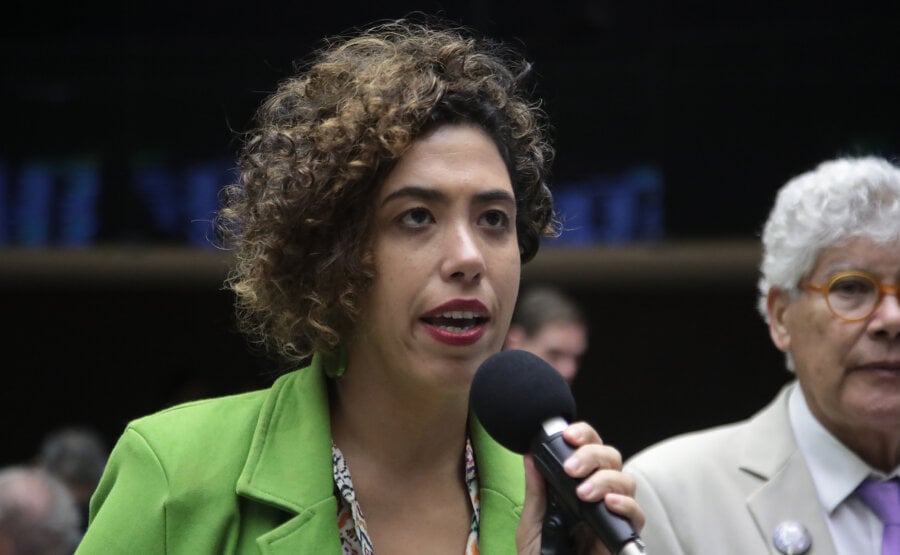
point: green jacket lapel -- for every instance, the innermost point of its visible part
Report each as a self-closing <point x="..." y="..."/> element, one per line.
<point x="289" y="465"/>
<point x="501" y="477"/>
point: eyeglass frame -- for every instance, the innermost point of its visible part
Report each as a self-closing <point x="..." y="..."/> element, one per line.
<point x="883" y="290"/>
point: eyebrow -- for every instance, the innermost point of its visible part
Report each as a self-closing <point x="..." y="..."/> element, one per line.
<point x="424" y="193"/>
<point x="844" y="266"/>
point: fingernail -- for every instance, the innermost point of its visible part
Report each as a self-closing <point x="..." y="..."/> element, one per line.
<point x="576" y="434"/>
<point x="585" y="489"/>
<point x="573" y="464"/>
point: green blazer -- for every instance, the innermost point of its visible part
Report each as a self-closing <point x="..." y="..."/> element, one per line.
<point x="252" y="473"/>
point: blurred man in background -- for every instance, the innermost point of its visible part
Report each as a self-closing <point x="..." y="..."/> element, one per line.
<point x="77" y="457"/>
<point x="37" y="514"/>
<point x="548" y="323"/>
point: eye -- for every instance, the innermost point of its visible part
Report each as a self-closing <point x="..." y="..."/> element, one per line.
<point x="852" y="286"/>
<point x="496" y="219"/>
<point x="416" y="217"/>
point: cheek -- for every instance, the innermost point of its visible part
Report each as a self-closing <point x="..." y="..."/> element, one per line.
<point x="509" y="271"/>
<point x="806" y="324"/>
<point x="823" y="344"/>
<point x="505" y="275"/>
<point x="392" y="274"/>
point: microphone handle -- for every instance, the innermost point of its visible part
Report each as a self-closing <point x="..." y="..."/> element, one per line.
<point x="556" y="538"/>
<point x="550" y="451"/>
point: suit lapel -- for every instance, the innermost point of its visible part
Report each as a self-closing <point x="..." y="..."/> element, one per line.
<point x="289" y="465"/>
<point x="501" y="478"/>
<point x="312" y="531"/>
<point x="787" y="492"/>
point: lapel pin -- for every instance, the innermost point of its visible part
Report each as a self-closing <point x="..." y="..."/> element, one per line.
<point x="792" y="538"/>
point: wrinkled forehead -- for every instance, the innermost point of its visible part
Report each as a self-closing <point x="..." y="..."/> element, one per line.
<point x="860" y="253"/>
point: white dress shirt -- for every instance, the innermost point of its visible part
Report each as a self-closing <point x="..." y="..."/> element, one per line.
<point x="836" y="472"/>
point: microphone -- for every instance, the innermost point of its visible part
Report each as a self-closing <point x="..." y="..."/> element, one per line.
<point x="525" y="404"/>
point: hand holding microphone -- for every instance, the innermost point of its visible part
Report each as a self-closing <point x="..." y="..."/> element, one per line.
<point x="525" y="405"/>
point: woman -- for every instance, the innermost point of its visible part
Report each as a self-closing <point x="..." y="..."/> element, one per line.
<point x="388" y="198"/>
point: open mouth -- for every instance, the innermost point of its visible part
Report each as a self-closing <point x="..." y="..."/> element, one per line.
<point x="456" y="321"/>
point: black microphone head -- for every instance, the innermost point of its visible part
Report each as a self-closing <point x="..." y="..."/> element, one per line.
<point x="514" y="392"/>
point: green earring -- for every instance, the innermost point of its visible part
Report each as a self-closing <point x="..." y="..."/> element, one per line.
<point x="334" y="364"/>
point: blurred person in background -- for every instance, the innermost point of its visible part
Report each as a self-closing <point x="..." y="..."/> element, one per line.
<point x="816" y="471"/>
<point x="77" y="456"/>
<point x="549" y="323"/>
<point x="37" y="513"/>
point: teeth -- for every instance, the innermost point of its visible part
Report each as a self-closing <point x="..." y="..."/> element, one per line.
<point x="455" y="329"/>
<point x="459" y="315"/>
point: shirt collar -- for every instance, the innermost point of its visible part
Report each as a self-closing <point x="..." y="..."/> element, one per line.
<point x="352" y="524"/>
<point x="835" y="469"/>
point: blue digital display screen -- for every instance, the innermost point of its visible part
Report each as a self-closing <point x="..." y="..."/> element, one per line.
<point x="71" y="202"/>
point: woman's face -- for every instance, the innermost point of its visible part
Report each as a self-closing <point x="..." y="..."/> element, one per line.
<point x="447" y="264"/>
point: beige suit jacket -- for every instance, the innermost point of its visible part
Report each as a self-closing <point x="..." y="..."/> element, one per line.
<point x="725" y="490"/>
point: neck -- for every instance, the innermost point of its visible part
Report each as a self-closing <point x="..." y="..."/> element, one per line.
<point x="398" y="429"/>
<point x="878" y="450"/>
<point x="870" y="432"/>
<point x="879" y="447"/>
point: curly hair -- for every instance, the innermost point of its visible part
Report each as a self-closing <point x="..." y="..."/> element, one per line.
<point x="840" y="199"/>
<point x="300" y="218"/>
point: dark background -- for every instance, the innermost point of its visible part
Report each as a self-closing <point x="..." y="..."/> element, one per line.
<point x="727" y="100"/>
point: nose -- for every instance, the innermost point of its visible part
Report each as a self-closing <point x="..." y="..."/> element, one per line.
<point x="568" y="367"/>
<point x="464" y="256"/>
<point x="886" y="321"/>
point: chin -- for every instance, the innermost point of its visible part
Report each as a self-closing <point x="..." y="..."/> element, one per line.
<point x="878" y="406"/>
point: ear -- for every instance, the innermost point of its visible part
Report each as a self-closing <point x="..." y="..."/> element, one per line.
<point x="777" y="302"/>
<point x="515" y="337"/>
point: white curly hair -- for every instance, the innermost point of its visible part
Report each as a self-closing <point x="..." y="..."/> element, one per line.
<point x="840" y="199"/>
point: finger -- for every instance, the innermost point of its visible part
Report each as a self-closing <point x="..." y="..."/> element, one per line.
<point x="603" y="482"/>
<point x="586" y="540"/>
<point x="591" y="457"/>
<point x="581" y="433"/>
<point x="626" y="506"/>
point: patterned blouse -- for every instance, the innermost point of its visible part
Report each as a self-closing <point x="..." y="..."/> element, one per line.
<point x="352" y="524"/>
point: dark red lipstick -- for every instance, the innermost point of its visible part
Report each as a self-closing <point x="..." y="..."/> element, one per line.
<point x="459" y="322"/>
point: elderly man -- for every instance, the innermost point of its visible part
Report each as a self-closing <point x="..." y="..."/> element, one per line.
<point x="816" y="471"/>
